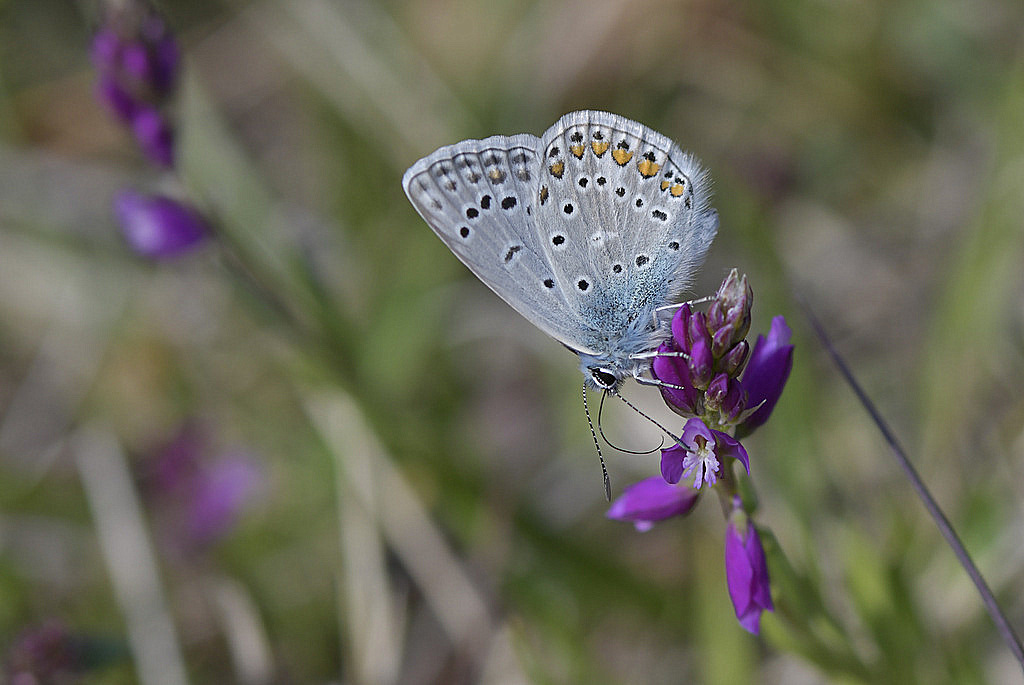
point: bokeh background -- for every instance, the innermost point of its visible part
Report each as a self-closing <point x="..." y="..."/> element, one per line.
<point x="399" y="479"/>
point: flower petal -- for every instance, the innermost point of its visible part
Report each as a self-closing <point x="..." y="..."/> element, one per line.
<point x="767" y="371"/>
<point x="652" y="499"/>
<point x="680" y="323"/>
<point x="154" y="135"/>
<point x="728" y="446"/>
<point x="672" y="463"/>
<point x="692" y="429"/>
<point x="674" y="371"/>
<point x="157" y="226"/>
<point x="746" y="573"/>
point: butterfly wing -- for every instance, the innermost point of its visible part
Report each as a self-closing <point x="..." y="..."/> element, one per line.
<point x="479" y="197"/>
<point x="627" y="221"/>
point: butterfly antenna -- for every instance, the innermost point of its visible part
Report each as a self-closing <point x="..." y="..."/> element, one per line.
<point x="593" y="434"/>
<point x="632" y="406"/>
<point x="600" y="429"/>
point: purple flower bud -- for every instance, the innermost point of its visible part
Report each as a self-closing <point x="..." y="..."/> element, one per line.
<point x="714" y="396"/>
<point x="652" y="500"/>
<point x="746" y="572"/>
<point x="701" y="361"/>
<point x="155" y="136"/>
<point x="115" y="98"/>
<point x="716" y="316"/>
<point x="105" y="50"/>
<point x="165" y="64"/>
<point x="135" y="62"/>
<point x="697" y="330"/>
<point x="683" y="398"/>
<point x="680" y="324"/>
<point x="157" y="226"/>
<point x="732" y="362"/>
<point x="737" y="298"/>
<point x="766" y="374"/>
<point x="735" y="401"/>
<point x="721" y="340"/>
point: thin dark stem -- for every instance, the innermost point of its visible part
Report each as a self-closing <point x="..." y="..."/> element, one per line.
<point x="994" y="610"/>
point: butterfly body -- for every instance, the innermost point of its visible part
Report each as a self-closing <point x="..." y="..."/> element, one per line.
<point x="586" y="231"/>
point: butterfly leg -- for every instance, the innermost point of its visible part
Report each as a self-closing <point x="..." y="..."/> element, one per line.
<point x="643" y="380"/>
<point x="672" y="307"/>
<point x="677" y="305"/>
<point x="652" y="355"/>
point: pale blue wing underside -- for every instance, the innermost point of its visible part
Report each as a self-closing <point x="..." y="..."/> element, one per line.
<point x="584" y="231"/>
<point x="633" y="209"/>
<point x="479" y="197"/>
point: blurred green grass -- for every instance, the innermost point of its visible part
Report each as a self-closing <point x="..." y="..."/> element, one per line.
<point x="867" y="154"/>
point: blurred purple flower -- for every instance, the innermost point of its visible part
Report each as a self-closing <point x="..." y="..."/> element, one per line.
<point x="137" y="63"/>
<point x="746" y="571"/>
<point x="220" y="493"/>
<point x="197" y="498"/>
<point x="699" y="454"/>
<point x="47" y="653"/>
<point x="651" y="500"/>
<point x="766" y="374"/>
<point x="159" y="227"/>
<point x="154" y="135"/>
<point x="116" y="98"/>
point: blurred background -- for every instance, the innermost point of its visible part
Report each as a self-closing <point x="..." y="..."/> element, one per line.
<point x="319" y="450"/>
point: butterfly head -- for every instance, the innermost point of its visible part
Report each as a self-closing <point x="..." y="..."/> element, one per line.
<point x="603" y="378"/>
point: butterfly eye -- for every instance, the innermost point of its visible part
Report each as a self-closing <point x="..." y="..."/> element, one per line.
<point x="603" y="377"/>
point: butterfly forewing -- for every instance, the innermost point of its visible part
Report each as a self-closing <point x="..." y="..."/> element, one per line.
<point x="479" y="197"/>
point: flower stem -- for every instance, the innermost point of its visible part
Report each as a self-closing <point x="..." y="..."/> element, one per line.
<point x="994" y="610"/>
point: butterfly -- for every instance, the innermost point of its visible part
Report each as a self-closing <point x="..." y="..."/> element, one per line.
<point x="591" y="231"/>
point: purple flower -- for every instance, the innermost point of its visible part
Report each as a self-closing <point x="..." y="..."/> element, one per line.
<point x="767" y="371"/>
<point x="705" y="353"/>
<point x="681" y="396"/>
<point x="46" y="653"/>
<point x="157" y="226"/>
<point x="746" y="571"/>
<point x="699" y="455"/>
<point x="198" y="496"/>
<point x="119" y="101"/>
<point x="220" y="493"/>
<point x="651" y="500"/>
<point x="137" y="63"/>
<point x="105" y="51"/>
<point x="154" y="135"/>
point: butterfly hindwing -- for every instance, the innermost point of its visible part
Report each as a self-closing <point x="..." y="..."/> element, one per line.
<point x="624" y="219"/>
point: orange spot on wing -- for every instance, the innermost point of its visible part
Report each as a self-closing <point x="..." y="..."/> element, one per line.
<point x="677" y="190"/>
<point x="621" y="156"/>
<point x="599" y="148"/>
<point x="647" y="168"/>
<point x="557" y="169"/>
<point x="577" y="150"/>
